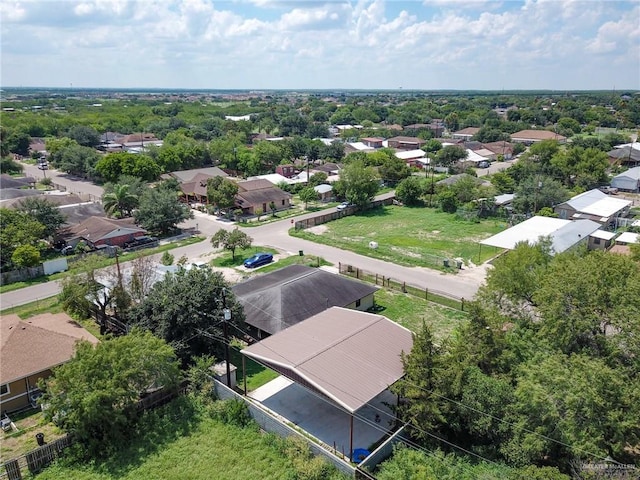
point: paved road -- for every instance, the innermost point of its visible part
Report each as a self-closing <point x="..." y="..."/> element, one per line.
<point x="464" y="284"/>
<point x="72" y="183"/>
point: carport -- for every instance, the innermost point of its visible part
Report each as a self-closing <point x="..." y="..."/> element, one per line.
<point x="344" y="357"/>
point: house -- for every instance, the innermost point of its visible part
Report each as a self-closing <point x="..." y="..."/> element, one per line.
<point x="347" y="357"/>
<point x="405" y="143"/>
<point x="286" y="170"/>
<point x="529" y="137"/>
<point x="261" y="194"/>
<point x="627" y="156"/>
<point x="453" y="179"/>
<point x="324" y="191"/>
<point x="351" y="147"/>
<point x="414" y="158"/>
<point x="98" y="231"/>
<point x="373" y="142"/>
<point x="187" y="175"/>
<point x="195" y="190"/>
<point x="436" y="127"/>
<point x="564" y="234"/>
<point x="629" y="180"/>
<point x="465" y="133"/>
<point x="594" y="205"/>
<point x="30" y="349"/>
<point x="277" y="300"/>
<point x="500" y="148"/>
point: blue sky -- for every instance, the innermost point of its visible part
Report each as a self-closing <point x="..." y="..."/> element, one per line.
<point x="364" y="44"/>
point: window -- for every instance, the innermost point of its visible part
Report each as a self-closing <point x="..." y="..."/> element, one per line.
<point x="596" y="240"/>
<point x="357" y="303"/>
<point x="4" y="388"/>
<point x="283" y="202"/>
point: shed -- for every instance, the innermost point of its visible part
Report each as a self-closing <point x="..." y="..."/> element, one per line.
<point x="629" y="180"/>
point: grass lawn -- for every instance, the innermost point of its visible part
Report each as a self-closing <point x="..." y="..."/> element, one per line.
<point x="14" y="444"/>
<point x="257" y="375"/>
<point x="182" y="441"/>
<point x="409" y="311"/>
<point x="224" y="260"/>
<point x="408" y="236"/>
<point x="106" y="261"/>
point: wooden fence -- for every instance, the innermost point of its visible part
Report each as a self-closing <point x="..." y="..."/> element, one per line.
<point x="429" y="294"/>
<point x="35" y="460"/>
<point x="328" y="217"/>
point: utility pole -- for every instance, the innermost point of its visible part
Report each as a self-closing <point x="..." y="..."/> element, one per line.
<point x="227" y="316"/>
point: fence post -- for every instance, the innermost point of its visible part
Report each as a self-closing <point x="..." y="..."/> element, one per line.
<point x="426" y="294"/>
<point x="462" y="304"/>
<point x="339" y="267"/>
<point x="376" y="278"/>
<point x="404" y="287"/>
<point x="358" y="273"/>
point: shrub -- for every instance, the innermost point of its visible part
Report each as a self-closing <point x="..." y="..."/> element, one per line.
<point x="167" y="259"/>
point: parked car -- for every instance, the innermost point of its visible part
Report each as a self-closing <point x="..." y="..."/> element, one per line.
<point x="609" y="190"/>
<point x="258" y="259"/>
<point x="484" y="164"/>
<point x="343" y="206"/>
<point x="68" y="250"/>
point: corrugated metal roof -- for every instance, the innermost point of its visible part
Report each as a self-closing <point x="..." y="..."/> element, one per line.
<point x="345" y="355"/>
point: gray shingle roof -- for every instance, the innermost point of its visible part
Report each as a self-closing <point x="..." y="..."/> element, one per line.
<point x="280" y="299"/>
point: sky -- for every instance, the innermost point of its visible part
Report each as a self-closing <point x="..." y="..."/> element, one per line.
<point x="358" y="44"/>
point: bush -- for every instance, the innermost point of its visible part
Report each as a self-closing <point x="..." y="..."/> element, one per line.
<point x="231" y="412"/>
<point x="167" y="259"/>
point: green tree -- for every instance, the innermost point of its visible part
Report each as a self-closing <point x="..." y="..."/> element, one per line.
<point x="119" y="202"/>
<point x="393" y="170"/>
<point x="450" y="154"/>
<point x="221" y="192"/>
<point x="410" y="191"/>
<point x="95" y="395"/>
<point x="537" y="192"/>
<point x="167" y="258"/>
<point x="160" y="210"/>
<point x="421" y="407"/>
<point x="84" y="135"/>
<point x="186" y="310"/>
<point x="25" y="256"/>
<point x="307" y="195"/>
<point x="358" y="183"/>
<point x="231" y="240"/>
<point x="8" y="165"/>
<point x="45" y="212"/>
<point x="16" y="229"/>
<point x="502" y="182"/>
<point x="516" y="275"/>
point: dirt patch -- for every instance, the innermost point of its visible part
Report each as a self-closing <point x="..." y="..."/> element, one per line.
<point x="318" y="229"/>
<point x="406" y="252"/>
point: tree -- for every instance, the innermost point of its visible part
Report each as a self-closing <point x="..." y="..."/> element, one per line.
<point x="410" y="191"/>
<point x="16" y="229"/>
<point x="186" y="310"/>
<point x="231" y="240"/>
<point x="536" y="192"/>
<point x="9" y="165"/>
<point x="393" y="170"/>
<point x="421" y="405"/>
<point x="45" y="212"/>
<point x="307" y="195"/>
<point x="95" y="395"/>
<point x="25" y="256"/>
<point x="502" y="182"/>
<point x="450" y="154"/>
<point x="221" y="192"/>
<point x="76" y="160"/>
<point x="84" y="135"/>
<point x="119" y="202"/>
<point x="359" y="183"/>
<point x="517" y="274"/>
<point x="160" y="210"/>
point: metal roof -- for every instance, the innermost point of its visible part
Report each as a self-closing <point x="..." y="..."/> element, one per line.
<point x="628" y="237"/>
<point x="603" y="234"/>
<point x="344" y="355"/>
<point x="564" y="233"/>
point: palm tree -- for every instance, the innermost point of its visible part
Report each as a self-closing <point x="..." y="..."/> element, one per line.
<point x="120" y="201"/>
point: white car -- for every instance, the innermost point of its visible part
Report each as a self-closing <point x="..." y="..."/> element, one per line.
<point x="343" y="206"/>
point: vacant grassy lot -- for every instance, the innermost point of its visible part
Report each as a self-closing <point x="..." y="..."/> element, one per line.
<point x="410" y="312"/>
<point x="408" y="236"/>
<point x="184" y="442"/>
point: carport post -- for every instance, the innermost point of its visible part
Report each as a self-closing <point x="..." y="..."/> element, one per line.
<point x="351" y="437"/>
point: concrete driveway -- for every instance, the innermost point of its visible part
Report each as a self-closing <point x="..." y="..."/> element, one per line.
<point x="322" y="418"/>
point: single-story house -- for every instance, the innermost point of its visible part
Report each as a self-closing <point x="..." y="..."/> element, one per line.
<point x="373" y="142"/>
<point x="260" y="194"/>
<point x="413" y="158"/>
<point x="347" y="357"/>
<point x="358" y="147"/>
<point x="500" y="148"/>
<point x="530" y="137"/>
<point x="465" y="133"/>
<point x="324" y="191"/>
<point x="195" y="190"/>
<point x="453" y="179"/>
<point x="405" y="143"/>
<point x="594" y="205"/>
<point x="564" y="234"/>
<point x="30" y="349"/>
<point x="629" y="180"/>
<point x="98" y="231"/>
<point x="188" y="175"/>
<point x="287" y="171"/>
<point x="277" y="300"/>
<point x="627" y="156"/>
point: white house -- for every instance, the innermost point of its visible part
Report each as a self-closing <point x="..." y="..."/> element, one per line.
<point x="629" y="180"/>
